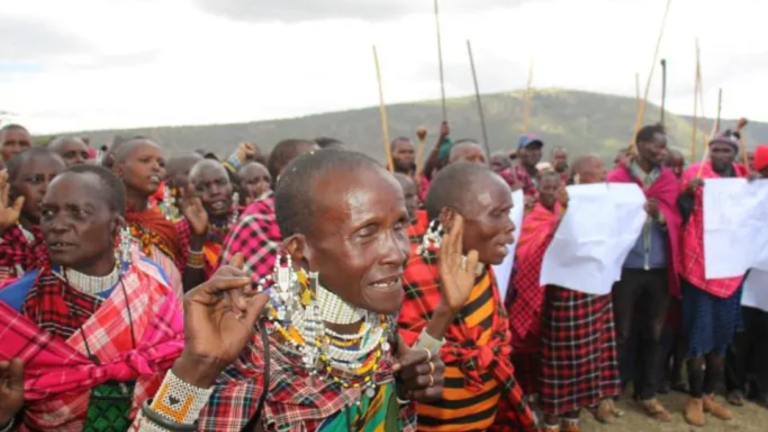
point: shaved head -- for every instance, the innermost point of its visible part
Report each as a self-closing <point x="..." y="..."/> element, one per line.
<point x="588" y="169"/>
<point x="204" y="165"/>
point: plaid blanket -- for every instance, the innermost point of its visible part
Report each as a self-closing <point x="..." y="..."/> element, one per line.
<point x="693" y="238"/>
<point x="17" y="252"/>
<point x="58" y="373"/>
<point x="257" y="236"/>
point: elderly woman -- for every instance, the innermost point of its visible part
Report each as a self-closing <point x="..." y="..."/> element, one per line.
<point x="473" y="200"/>
<point x="94" y="327"/>
<point x="327" y="356"/>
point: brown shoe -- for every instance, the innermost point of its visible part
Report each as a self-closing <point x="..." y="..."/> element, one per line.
<point x="604" y="413"/>
<point x="713" y="407"/>
<point x="694" y="412"/>
<point x="655" y="409"/>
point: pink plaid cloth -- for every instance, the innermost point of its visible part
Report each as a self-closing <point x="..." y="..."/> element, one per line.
<point x="256" y="236"/>
<point x="58" y="374"/>
<point x="693" y="238"/>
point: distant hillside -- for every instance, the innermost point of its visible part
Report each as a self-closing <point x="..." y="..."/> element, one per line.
<point x="580" y="121"/>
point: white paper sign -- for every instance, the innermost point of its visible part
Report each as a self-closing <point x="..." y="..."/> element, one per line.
<point x="503" y="271"/>
<point x="735" y="226"/>
<point x="755" y="293"/>
<point x="602" y="223"/>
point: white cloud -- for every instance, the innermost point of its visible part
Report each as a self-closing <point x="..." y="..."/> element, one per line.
<point x="175" y="62"/>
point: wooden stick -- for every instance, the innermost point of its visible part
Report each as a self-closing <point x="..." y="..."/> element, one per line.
<point x="528" y="99"/>
<point x="644" y="102"/>
<point x="697" y="80"/>
<point x="421" y="134"/>
<point x="719" y="107"/>
<point x="383" y="113"/>
<point x="637" y="93"/>
<point x="440" y="59"/>
<point x="663" y="88"/>
<point x="479" y="101"/>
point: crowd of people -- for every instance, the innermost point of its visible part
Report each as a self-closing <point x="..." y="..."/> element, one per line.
<point x="315" y="289"/>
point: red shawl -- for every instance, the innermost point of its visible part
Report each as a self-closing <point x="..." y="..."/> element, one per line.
<point x="151" y="227"/>
<point x="525" y="311"/>
<point x="693" y="237"/>
<point x="419" y="227"/>
<point x="665" y="191"/>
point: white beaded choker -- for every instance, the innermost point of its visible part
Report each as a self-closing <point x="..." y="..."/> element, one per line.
<point x="334" y="310"/>
<point x="91" y="284"/>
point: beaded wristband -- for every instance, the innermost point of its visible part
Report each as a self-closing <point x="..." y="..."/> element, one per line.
<point x="427" y="342"/>
<point x="179" y="401"/>
<point x="196" y="259"/>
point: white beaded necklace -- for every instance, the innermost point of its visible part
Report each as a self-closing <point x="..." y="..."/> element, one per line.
<point x="90" y="284"/>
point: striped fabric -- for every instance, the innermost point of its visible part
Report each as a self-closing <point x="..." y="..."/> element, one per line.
<point x="479" y="381"/>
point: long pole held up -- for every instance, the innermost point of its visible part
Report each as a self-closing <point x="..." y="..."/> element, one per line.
<point x="479" y="100"/>
<point x="663" y="88"/>
<point x="440" y="59"/>
<point x="719" y="108"/>
<point x="383" y="112"/>
<point x="697" y="81"/>
<point x="528" y="99"/>
<point x="644" y="102"/>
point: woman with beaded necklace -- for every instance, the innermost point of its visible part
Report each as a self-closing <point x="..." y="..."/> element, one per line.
<point x="210" y="208"/>
<point x="94" y="327"/>
<point x="140" y="164"/>
<point x="476" y="201"/>
<point x="325" y="356"/>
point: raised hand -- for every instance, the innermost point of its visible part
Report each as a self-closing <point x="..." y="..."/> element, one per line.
<point x="247" y="151"/>
<point x="562" y="196"/>
<point x="194" y="212"/>
<point x="420" y="373"/>
<point x="11" y="390"/>
<point x="9" y="216"/>
<point x="693" y="184"/>
<point x="219" y="320"/>
<point x="457" y="276"/>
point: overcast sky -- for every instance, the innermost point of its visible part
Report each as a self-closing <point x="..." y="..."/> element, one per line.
<point x="86" y="64"/>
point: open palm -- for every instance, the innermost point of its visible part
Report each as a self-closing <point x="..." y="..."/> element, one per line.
<point x="194" y="212"/>
<point x="9" y="216"/>
<point x="457" y="276"/>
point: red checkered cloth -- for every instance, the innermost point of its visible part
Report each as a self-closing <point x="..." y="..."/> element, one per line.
<point x="58" y="372"/>
<point x="256" y="236"/>
<point x="17" y="251"/>
<point x="579" y="362"/>
<point x="476" y="353"/>
<point x="692" y="268"/>
<point x="525" y="180"/>
<point x="295" y="402"/>
<point x="525" y="311"/>
<point x="212" y="245"/>
<point x="417" y="230"/>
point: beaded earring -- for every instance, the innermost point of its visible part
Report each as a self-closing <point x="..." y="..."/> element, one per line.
<point x="235" y="206"/>
<point x="168" y="203"/>
<point x="433" y="238"/>
<point x="284" y="285"/>
<point x="124" y="249"/>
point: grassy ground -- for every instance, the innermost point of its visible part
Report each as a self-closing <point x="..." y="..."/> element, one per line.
<point x="750" y="418"/>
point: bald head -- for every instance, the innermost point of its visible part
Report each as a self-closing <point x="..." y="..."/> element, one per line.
<point x="177" y="169"/>
<point x="73" y="150"/>
<point x="588" y="169"/>
<point x="286" y="151"/>
<point x="210" y="165"/>
<point x="467" y="151"/>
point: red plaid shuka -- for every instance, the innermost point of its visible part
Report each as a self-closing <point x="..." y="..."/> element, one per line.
<point x="524" y="178"/>
<point x="212" y="246"/>
<point x="480" y="391"/>
<point x="58" y="373"/>
<point x="417" y="229"/>
<point x="18" y="252"/>
<point x="525" y="311"/>
<point x="693" y="238"/>
<point x="256" y="236"/>
<point x="295" y="402"/>
<point x="579" y="363"/>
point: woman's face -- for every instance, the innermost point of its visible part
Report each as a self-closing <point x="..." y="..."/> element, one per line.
<point x="487" y="226"/>
<point x="212" y="185"/>
<point x="34" y="175"/>
<point x="143" y="168"/>
<point x="255" y="181"/>
<point x="78" y="227"/>
<point x="357" y="242"/>
<point x="548" y="189"/>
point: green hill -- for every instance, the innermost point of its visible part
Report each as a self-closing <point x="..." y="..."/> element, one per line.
<point x="580" y="121"/>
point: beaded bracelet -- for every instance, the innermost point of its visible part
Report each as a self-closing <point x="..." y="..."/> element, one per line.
<point x="196" y="259"/>
<point x="162" y="423"/>
<point x="178" y="401"/>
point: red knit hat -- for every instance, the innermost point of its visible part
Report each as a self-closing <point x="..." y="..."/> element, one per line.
<point x="761" y="157"/>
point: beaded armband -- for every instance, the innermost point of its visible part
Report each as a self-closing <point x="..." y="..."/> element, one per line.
<point x="425" y="341"/>
<point x="196" y="259"/>
<point x="178" y="401"/>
